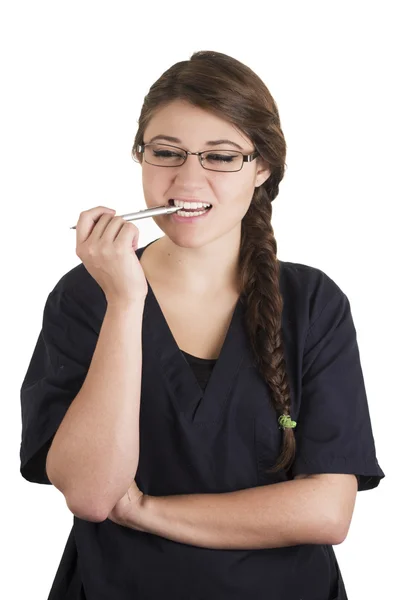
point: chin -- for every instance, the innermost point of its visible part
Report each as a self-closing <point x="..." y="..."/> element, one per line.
<point x="186" y="239"/>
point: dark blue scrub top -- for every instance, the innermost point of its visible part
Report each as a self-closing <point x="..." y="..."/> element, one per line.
<point x="206" y="427"/>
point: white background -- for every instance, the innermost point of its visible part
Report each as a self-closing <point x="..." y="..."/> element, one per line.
<point x="73" y="77"/>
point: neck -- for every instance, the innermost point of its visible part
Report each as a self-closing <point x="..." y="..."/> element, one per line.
<point x="204" y="270"/>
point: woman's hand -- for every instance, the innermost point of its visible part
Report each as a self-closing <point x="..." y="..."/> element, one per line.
<point x="107" y="247"/>
<point x="128" y="511"/>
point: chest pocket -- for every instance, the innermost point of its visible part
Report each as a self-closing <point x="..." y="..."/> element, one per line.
<point x="268" y="445"/>
<point x="268" y="437"/>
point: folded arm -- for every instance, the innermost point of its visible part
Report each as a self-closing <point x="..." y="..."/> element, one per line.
<point x="311" y="509"/>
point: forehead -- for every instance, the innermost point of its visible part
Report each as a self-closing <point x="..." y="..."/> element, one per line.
<point x="192" y="124"/>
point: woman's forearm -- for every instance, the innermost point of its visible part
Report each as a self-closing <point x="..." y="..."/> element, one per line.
<point x="283" y="514"/>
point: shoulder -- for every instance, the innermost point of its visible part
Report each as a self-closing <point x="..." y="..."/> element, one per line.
<point x="308" y="290"/>
<point x="77" y="296"/>
<point x="76" y="283"/>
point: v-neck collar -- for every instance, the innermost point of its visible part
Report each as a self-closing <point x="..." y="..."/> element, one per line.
<point x="196" y="404"/>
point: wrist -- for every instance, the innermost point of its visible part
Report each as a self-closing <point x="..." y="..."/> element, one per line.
<point x="119" y="304"/>
<point x="148" y="513"/>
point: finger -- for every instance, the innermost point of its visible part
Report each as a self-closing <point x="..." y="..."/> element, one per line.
<point x="113" y="229"/>
<point x="128" y="234"/>
<point x="87" y="221"/>
<point x="107" y="228"/>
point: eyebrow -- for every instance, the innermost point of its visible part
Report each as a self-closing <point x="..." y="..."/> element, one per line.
<point x="169" y="138"/>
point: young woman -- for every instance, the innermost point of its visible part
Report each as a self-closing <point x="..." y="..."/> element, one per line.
<point x="199" y="402"/>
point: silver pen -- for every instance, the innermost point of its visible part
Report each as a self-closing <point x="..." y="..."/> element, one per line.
<point x="148" y="212"/>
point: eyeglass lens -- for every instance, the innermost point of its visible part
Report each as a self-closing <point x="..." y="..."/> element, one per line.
<point x="163" y="155"/>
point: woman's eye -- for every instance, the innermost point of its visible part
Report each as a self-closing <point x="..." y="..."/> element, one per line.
<point x="166" y="154"/>
<point x="220" y="157"/>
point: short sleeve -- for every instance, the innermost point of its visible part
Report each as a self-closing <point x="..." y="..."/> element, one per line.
<point x="334" y="432"/>
<point x="57" y="370"/>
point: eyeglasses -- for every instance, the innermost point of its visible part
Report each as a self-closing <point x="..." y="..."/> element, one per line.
<point x="165" y="155"/>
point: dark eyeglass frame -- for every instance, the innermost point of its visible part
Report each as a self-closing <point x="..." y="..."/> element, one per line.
<point x="246" y="157"/>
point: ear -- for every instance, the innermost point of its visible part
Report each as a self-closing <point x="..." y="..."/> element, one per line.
<point x="263" y="171"/>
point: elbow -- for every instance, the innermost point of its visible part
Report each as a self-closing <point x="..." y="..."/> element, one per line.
<point x="336" y="539"/>
<point x="86" y="510"/>
<point x="341" y="523"/>
<point x="337" y="532"/>
<point x="340" y="532"/>
<point x="322" y="529"/>
<point x="90" y="513"/>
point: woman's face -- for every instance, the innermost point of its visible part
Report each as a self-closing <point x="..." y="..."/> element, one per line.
<point x="230" y="193"/>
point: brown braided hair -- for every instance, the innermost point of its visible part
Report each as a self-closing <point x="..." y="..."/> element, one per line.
<point x="226" y="87"/>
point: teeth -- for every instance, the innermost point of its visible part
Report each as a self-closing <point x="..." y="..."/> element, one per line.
<point x="190" y="213"/>
<point x="191" y="205"/>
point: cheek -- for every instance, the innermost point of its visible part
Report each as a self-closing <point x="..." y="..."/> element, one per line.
<point x="154" y="183"/>
<point x="234" y="195"/>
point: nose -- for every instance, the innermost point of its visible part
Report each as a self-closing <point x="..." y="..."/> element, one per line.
<point x="191" y="169"/>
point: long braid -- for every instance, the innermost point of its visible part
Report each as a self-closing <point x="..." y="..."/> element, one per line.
<point x="259" y="270"/>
